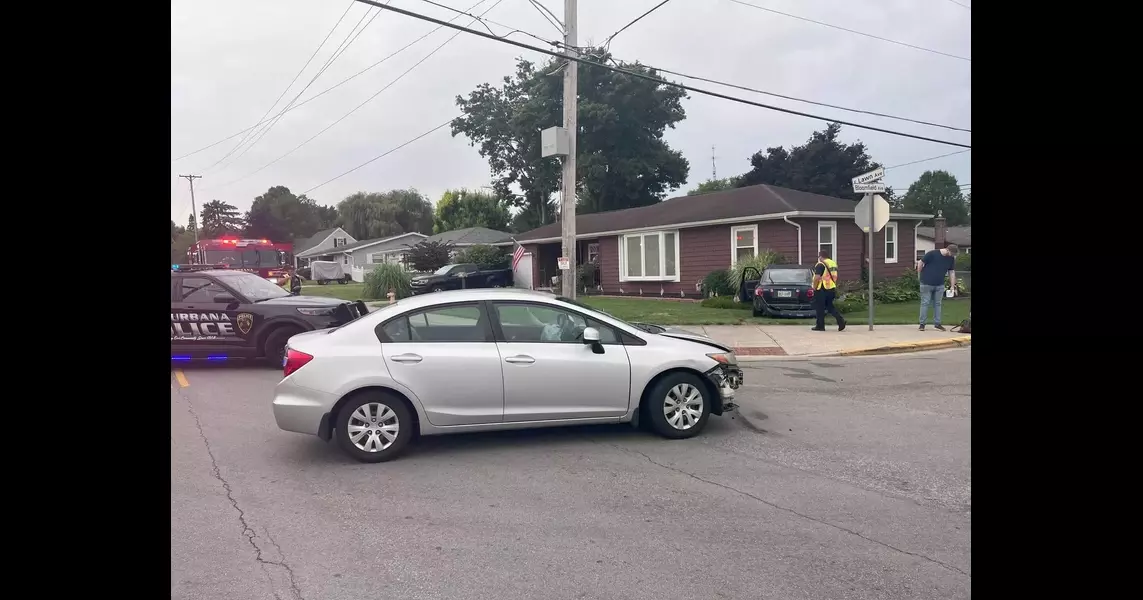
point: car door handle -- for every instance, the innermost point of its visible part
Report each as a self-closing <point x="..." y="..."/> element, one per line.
<point x="520" y="360"/>
<point x="406" y="358"/>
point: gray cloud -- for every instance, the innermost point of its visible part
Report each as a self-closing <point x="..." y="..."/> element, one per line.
<point x="230" y="60"/>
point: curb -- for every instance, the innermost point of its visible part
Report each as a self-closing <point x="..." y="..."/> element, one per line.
<point x="956" y="342"/>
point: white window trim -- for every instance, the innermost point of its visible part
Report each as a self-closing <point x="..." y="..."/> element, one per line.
<point x="662" y="258"/>
<point x="734" y="240"/>
<point x="833" y="239"/>
<point x="896" y="242"/>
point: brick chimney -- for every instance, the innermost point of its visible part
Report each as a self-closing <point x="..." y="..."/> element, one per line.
<point x="939" y="231"/>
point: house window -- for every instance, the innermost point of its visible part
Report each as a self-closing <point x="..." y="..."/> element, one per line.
<point x="891" y="243"/>
<point x="827" y="238"/>
<point x="345" y="259"/>
<point x="339" y="242"/>
<point x="920" y="254"/>
<point x="593" y="254"/>
<point x="743" y="242"/>
<point x="649" y="256"/>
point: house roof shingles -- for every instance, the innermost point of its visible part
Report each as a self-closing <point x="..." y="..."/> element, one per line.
<point x="727" y="204"/>
<point x="960" y="235"/>
<point x="301" y="245"/>
<point x="471" y="235"/>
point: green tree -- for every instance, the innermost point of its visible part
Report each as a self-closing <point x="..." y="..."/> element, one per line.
<point x="822" y="165"/>
<point x="279" y="215"/>
<point x="220" y="218"/>
<point x="369" y="215"/>
<point x="487" y="257"/>
<point x="622" y="159"/>
<point x="937" y="191"/>
<point x="714" y="185"/>
<point x="462" y="208"/>
<point x="429" y="256"/>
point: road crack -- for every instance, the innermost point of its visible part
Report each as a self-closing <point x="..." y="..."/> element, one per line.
<point x="790" y="510"/>
<point x="248" y="531"/>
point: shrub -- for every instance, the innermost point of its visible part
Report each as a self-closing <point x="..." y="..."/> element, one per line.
<point x="429" y="256"/>
<point x="717" y="283"/>
<point x="387" y="277"/>
<point x="485" y="256"/>
<point x="764" y="259"/>
<point x="963" y="262"/>
<point x="585" y="275"/>
<point x="726" y="302"/>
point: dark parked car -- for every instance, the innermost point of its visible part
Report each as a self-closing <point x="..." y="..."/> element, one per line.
<point x="782" y="291"/>
<point x="461" y="275"/>
<point x="222" y="313"/>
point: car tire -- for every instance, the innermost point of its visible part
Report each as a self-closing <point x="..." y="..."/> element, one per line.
<point x="757" y="313"/>
<point x="274" y="348"/>
<point x="661" y="406"/>
<point x="437" y="288"/>
<point x="386" y="413"/>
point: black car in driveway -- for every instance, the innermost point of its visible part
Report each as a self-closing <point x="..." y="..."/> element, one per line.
<point x="461" y="276"/>
<point x="221" y="313"/>
<point x="784" y="291"/>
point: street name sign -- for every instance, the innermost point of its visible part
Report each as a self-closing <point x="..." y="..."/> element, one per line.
<point x="873" y="175"/>
<point x="869" y="188"/>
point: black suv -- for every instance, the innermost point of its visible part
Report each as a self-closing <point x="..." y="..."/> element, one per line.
<point x="218" y="313"/>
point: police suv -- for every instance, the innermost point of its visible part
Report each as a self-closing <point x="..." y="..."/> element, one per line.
<point x="219" y="313"/>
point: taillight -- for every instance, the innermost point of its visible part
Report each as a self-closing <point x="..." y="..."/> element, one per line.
<point x="294" y="361"/>
<point x="810" y="293"/>
<point x="757" y="291"/>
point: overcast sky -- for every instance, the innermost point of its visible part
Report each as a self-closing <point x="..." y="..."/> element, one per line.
<point x="231" y="59"/>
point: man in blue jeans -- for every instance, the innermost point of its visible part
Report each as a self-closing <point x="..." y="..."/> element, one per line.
<point x="932" y="268"/>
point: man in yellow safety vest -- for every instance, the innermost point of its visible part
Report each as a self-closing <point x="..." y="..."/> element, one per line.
<point x="825" y="292"/>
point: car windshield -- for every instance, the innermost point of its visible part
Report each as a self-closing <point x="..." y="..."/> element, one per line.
<point x="252" y="286"/>
<point x="787" y="276"/>
<point x="443" y="270"/>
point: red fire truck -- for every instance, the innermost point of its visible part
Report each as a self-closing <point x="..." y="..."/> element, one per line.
<point x="263" y="257"/>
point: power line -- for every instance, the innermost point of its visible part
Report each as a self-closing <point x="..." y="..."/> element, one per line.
<point x="855" y="110"/>
<point x="544" y="12"/>
<point x="327" y="90"/>
<point x="607" y="41"/>
<point x="341" y="48"/>
<point x="378" y="157"/>
<point x="961" y="5"/>
<point x="363" y="103"/>
<point x="862" y="33"/>
<point x="483" y="22"/>
<point x="927" y="159"/>
<point x="299" y="74"/>
<point x="658" y="80"/>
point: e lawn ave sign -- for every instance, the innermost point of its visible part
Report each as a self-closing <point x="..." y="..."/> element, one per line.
<point x="874" y="175"/>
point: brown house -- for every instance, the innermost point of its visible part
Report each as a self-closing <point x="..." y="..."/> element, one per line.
<point x="669" y="247"/>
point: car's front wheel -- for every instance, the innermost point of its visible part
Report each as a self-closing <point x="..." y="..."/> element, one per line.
<point x="678" y="407"/>
<point x="374" y="427"/>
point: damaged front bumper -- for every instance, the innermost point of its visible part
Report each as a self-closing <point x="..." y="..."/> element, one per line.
<point x="726" y="378"/>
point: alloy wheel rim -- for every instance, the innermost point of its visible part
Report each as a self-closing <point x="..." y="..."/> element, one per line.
<point x="373" y="427"/>
<point x="683" y="406"/>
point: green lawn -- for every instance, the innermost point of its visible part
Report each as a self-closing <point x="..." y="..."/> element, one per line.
<point x="664" y="312"/>
<point x="348" y="291"/>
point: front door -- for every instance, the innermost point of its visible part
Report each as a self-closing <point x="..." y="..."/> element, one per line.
<point x="549" y="373"/>
<point x="447" y="358"/>
<point x="200" y="323"/>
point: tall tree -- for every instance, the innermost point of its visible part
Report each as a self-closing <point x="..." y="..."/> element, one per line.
<point x="279" y="215"/>
<point x="622" y="160"/>
<point x="713" y="185"/>
<point x="458" y="209"/>
<point x="822" y="165"/>
<point x="368" y="215"/>
<point x="220" y="218"/>
<point x="327" y="217"/>
<point x="938" y="191"/>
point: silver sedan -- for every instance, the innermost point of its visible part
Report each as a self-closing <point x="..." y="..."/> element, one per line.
<point x="482" y="360"/>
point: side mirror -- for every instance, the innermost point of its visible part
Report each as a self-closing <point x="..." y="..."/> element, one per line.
<point x="225" y="299"/>
<point x="591" y="337"/>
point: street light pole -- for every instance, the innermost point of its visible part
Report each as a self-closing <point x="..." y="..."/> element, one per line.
<point x="567" y="206"/>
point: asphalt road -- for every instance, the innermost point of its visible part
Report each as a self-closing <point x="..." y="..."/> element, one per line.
<point x="843" y="478"/>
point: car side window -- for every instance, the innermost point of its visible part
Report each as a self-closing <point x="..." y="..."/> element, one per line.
<point x="457" y="323"/>
<point x="200" y="290"/>
<point x="537" y="323"/>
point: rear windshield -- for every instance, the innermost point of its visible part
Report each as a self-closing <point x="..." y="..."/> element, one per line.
<point x="787" y="276"/>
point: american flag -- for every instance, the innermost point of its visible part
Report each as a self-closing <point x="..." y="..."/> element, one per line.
<point x="517" y="254"/>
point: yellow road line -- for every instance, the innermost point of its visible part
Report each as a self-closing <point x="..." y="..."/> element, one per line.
<point x="182" y="379"/>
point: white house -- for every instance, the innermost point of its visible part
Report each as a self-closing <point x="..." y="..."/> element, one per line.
<point x="319" y="246"/>
<point x="927" y="239"/>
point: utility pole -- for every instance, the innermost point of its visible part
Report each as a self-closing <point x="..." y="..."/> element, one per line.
<point x="194" y="210"/>
<point x="567" y="207"/>
<point x="713" y="166"/>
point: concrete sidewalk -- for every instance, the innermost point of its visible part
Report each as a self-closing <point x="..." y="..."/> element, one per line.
<point x="755" y="342"/>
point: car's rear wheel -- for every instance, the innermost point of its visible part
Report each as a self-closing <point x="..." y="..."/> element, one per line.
<point x="274" y="348"/>
<point x="678" y="406"/>
<point x="374" y="427"/>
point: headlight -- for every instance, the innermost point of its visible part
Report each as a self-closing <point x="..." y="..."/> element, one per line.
<point x="726" y="358"/>
<point x="317" y="312"/>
